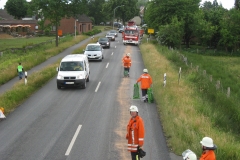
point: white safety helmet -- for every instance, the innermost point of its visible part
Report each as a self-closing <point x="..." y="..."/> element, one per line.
<point x="128" y="54"/>
<point x="207" y="142"/>
<point x="133" y="109"/>
<point x="189" y="155"/>
<point x="145" y="70"/>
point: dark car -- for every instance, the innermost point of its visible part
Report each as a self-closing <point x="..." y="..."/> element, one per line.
<point x="115" y="32"/>
<point x="105" y="42"/>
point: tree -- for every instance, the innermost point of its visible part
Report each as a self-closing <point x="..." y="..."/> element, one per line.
<point x="203" y="30"/>
<point x="55" y="10"/>
<point x="125" y="13"/>
<point x="230" y="31"/>
<point x="237" y="4"/>
<point x="95" y="8"/>
<point x="161" y="12"/>
<point x="17" y="8"/>
<point x="213" y="14"/>
<point x="171" y="34"/>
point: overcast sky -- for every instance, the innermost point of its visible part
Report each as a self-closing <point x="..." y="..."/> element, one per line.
<point x="226" y="3"/>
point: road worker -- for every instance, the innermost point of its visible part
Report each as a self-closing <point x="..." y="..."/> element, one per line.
<point x="127" y="62"/>
<point x="189" y="155"/>
<point x="135" y="133"/>
<point x="146" y="82"/>
<point x="208" y="149"/>
<point x="20" y="71"/>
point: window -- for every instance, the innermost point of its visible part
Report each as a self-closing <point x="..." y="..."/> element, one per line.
<point x="53" y="28"/>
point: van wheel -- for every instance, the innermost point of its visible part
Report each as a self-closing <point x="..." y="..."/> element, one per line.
<point x="58" y="87"/>
<point x="84" y="85"/>
<point x="88" y="78"/>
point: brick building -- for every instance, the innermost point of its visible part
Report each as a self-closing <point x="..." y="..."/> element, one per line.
<point x="28" y="25"/>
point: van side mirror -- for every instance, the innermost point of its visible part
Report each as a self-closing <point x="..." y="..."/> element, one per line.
<point x="57" y="69"/>
<point x="83" y="50"/>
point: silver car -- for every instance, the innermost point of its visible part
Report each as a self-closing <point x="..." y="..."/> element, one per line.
<point x="94" y="51"/>
<point x="111" y="36"/>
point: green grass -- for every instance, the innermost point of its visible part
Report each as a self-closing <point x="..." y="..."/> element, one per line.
<point x="33" y="57"/>
<point x="193" y="108"/>
<point x="19" y="92"/>
<point x="103" y="28"/>
<point x="21" y="42"/>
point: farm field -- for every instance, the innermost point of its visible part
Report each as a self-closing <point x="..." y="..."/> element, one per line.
<point x="6" y="43"/>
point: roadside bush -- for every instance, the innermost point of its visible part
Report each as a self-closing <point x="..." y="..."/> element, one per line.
<point x="92" y="32"/>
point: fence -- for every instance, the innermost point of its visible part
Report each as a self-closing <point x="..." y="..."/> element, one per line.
<point x="217" y="83"/>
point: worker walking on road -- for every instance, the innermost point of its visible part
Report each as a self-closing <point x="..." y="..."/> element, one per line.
<point x="146" y="82"/>
<point x="208" y="149"/>
<point x="20" y="71"/>
<point x="127" y="62"/>
<point x="135" y="133"/>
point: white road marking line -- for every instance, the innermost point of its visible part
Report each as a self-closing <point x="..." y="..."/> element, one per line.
<point x="73" y="140"/>
<point x="97" y="86"/>
<point x="112" y="53"/>
<point x="107" y="65"/>
<point x="115" y="46"/>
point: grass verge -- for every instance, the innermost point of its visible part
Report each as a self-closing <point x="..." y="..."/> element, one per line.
<point x="9" y="61"/>
<point x="181" y="107"/>
<point x="19" y="92"/>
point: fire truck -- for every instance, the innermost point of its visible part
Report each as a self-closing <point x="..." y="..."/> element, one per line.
<point x="131" y="34"/>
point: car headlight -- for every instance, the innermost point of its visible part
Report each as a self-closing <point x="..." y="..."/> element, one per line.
<point x="60" y="77"/>
<point x="107" y="42"/>
<point x="80" y="76"/>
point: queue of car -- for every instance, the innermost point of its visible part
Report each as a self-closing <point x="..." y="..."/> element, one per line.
<point x="74" y="70"/>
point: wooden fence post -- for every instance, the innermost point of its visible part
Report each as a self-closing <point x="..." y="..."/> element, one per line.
<point x="228" y="92"/>
<point x="204" y="72"/>
<point x="179" y="75"/>
<point x="210" y="78"/>
<point x="197" y="68"/>
<point x="218" y="85"/>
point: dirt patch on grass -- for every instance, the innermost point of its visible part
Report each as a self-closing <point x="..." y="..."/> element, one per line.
<point x="5" y="36"/>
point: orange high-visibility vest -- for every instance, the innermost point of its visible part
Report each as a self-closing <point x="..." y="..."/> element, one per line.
<point x="210" y="155"/>
<point x="127" y="62"/>
<point x="135" y="133"/>
<point x="146" y="81"/>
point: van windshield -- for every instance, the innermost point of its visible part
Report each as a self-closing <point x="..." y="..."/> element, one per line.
<point x="93" y="48"/>
<point x="72" y="66"/>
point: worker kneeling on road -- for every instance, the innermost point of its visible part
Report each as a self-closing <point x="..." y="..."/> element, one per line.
<point x="127" y="62"/>
<point x="135" y="133"/>
<point x="146" y="82"/>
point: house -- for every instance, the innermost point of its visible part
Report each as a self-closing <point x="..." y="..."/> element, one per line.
<point x="82" y="22"/>
<point x="29" y="25"/>
<point x="10" y="25"/>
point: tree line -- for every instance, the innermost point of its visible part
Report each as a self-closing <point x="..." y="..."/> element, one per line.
<point x="54" y="10"/>
<point x="186" y="21"/>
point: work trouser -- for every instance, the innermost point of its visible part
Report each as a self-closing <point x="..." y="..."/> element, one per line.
<point x="144" y="95"/>
<point x="20" y="75"/>
<point x="135" y="156"/>
<point x="126" y="69"/>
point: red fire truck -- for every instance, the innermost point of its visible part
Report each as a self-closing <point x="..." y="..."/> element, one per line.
<point x="131" y="34"/>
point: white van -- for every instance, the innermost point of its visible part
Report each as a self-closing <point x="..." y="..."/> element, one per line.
<point x="73" y="71"/>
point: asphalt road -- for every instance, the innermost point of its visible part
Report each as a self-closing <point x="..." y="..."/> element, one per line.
<point x="83" y="124"/>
